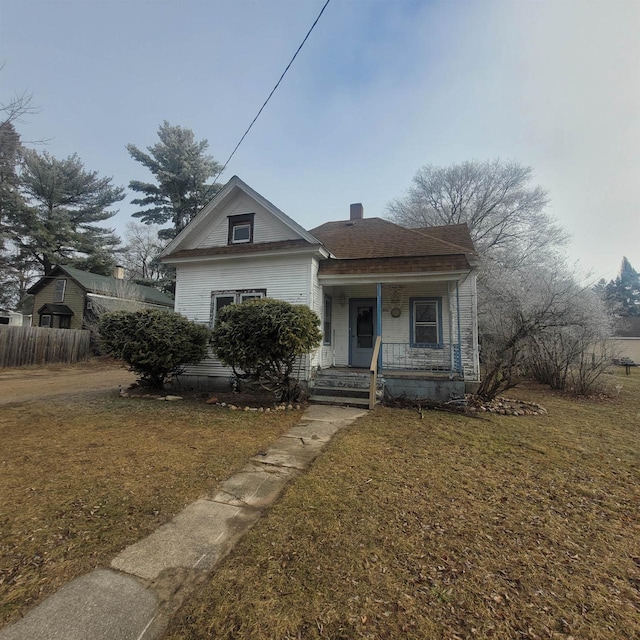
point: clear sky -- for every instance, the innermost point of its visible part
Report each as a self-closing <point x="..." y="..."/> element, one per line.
<point x="381" y="88"/>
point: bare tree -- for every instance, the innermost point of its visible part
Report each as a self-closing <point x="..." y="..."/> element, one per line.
<point x="539" y="320"/>
<point x="140" y="254"/>
<point x="504" y="211"/>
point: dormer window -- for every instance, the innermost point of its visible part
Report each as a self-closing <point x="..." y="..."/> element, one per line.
<point x="241" y="229"/>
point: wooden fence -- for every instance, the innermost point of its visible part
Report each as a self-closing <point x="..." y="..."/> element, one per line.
<point x="40" y="345"/>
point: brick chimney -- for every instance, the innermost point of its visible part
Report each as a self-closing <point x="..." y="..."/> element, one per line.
<point x="356" y="211"/>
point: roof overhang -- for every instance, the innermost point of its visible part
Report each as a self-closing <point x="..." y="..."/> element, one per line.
<point x="55" y="309"/>
<point x="391" y="278"/>
<point x="312" y="251"/>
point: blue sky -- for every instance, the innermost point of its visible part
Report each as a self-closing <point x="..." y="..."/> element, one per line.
<point x="381" y="88"/>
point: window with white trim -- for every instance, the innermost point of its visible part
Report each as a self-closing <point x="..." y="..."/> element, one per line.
<point x="220" y="299"/>
<point x="46" y="320"/>
<point x="58" y="294"/>
<point x="241" y="228"/>
<point x="426" y="321"/>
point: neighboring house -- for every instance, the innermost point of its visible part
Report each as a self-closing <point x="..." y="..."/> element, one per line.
<point x="12" y="318"/>
<point x="68" y="298"/>
<point x="626" y="338"/>
<point x="415" y="288"/>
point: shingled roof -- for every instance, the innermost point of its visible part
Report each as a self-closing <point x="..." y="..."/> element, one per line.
<point x="379" y="238"/>
<point x="94" y="283"/>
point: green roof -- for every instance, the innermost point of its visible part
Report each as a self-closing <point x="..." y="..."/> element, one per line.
<point x="109" y="286"/>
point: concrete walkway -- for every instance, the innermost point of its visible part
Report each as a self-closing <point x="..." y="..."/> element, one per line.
<point x="148" y="581"/>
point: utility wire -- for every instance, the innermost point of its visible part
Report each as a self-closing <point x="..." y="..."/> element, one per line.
<point x="244" y="135"/>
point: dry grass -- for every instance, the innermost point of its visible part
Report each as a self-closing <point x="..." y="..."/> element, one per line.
<point x="448" y="527"/>
<point x="82" y="477"/>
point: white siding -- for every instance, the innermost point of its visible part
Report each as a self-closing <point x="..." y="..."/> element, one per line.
<point x="284" y="277"/>
<point x="267" y="228"/>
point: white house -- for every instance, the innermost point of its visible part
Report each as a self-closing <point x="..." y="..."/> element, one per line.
<point x="415" y="289"/>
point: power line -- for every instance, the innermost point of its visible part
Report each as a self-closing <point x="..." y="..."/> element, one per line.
<point x="244" y="135"/>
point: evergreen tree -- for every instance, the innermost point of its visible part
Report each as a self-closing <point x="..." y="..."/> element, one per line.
<point x="622" y="295"/>
<point x="57" y="223"/>
<point x="181" y="169"/>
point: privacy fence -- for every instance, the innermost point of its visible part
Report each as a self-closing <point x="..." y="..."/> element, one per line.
<point x="39" y="345"/>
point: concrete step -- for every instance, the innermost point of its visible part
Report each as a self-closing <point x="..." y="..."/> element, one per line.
<point x="347" y="392"/>
<point x="343" y="401"/>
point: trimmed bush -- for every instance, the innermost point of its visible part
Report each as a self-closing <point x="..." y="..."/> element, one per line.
<point x="262" y="340"/>
<point x="154" y="343"/>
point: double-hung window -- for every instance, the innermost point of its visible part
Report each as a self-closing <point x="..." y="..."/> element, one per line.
<point x="220" y="299"/>
<point x="426" y="322"/>
<point x="58" y="294"/>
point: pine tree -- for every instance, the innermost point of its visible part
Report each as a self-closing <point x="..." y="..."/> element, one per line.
<point x="181" y="169"/>
<point x="622" y="295"/>
<point x="63" y="204"/>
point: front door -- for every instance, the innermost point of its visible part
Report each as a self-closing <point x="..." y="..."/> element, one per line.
<point x="362" y="331"/>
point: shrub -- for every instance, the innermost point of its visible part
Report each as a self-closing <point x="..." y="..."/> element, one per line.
<point x="154" y="343"/>
<point x="263" y="339"/>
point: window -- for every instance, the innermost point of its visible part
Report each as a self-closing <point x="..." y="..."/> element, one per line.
<point x="241" y="229"/>
<point x="220" y="299"/>
<point x="45" y="320"/>
<point x="327" y="320"/>
<point x="58" y="295"/>
<point x="426" y="321"/>
<point x="65" y="322"/>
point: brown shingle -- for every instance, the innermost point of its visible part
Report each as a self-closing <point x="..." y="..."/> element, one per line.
<point x="401" y="264"/>
<point x="378" y="238"/>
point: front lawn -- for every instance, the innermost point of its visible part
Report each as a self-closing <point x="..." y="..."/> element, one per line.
<point x="83" y="477"/>
<point x="448" y="527"/>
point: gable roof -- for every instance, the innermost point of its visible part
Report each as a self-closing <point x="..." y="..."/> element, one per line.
<point x="233" y="186"/>
<point x="379" y="238"/>
<point x="628" y="327"/>
<point x="105" y="285"/>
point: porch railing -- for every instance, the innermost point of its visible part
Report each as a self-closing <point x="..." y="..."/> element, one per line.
<point x="373" y="369"/>
<point x="445" y="358"/>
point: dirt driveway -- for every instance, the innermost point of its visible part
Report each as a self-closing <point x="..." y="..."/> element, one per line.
<point x="30" y="383"/>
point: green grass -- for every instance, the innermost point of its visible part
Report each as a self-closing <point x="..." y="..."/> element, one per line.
<point x="448" y="527"/>
<point x="82" y="478"/>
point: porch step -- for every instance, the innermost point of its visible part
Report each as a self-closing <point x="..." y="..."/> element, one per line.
<point x="344" y="379"/>
<point x="344" y="392"/>
<point x="344" y="401"/>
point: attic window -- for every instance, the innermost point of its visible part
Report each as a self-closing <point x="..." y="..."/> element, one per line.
<point x="241" y="229"/>
<point x="58" y="294"/>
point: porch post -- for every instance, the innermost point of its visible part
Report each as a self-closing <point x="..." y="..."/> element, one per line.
<point x="452" y="361"/>
<point x="459" y="332"/>
<point x="379" y="320"/>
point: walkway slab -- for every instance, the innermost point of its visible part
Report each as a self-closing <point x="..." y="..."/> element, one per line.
<point x="102" y="605"/>
<point x="196" y="538"/>
<point x="329" y="413"/>
<point x="256" y="485"/>
<point x="315" y="430"/>
<point x="297" y="453"/>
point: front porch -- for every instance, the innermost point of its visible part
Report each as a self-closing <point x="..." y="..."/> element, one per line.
<point x="414" y="334"/>
<point x="419" y="324"/>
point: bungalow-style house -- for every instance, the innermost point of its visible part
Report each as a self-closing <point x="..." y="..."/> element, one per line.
<point x="68" y="297"/>
<point x="407" y="295"/>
